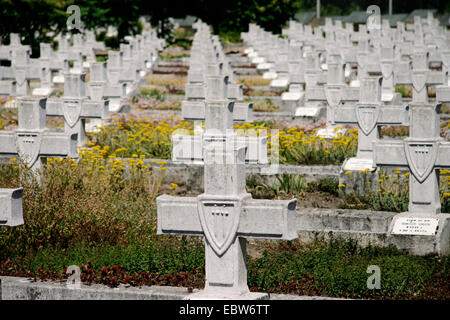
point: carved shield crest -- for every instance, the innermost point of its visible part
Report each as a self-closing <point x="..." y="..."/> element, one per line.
<point x="28" y="145"/>
<point x="72" y="112"/>
<point x="20" y="74"/>
<point x="367" y="116"/>
<point x="418" y="80"/>
<point x="333" y="95"/>
<point x="220" y="222"/>
<point x="386" y="69"/>
<point x="421" y="156"/>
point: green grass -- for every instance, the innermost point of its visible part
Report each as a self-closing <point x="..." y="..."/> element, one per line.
<point x="91" y="217"/>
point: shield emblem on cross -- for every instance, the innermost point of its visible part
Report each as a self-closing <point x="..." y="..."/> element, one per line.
<point x="421" y="156"/>
<point x="20" y="74"/>
<point x="72" y="112"/>
<point x="28" y="145"/>
<point x="333" y="95"/>
<point x="220" y="222"/>
<point x="418" y="80"/>
<point x="386" y="69"/>
<point x="367" y="116"/>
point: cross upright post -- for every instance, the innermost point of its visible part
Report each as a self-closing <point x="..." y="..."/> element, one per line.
<point x="424" y="152"/>
<point x="335" y="92"/>
<point x="225" y="214"/>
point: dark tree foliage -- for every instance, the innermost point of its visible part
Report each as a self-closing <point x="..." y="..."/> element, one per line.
<point x="33" y="19"/>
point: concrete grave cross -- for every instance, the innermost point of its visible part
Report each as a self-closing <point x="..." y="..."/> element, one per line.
<point x="293" y="98"/>
<point x="31" y="141"/>
<point x="334" y="89"/>
<point x="424" y="152"/>
<point x="225" y="215"/>
<point x="114" y="66"/>
<point x="369" y="115"/>
<point x="443" y="91"/>
<point x="189" y="148"/>
<point x="11" y="207"/>
<point x="97" y="81"/>
<point x="195" y="110"/>
<point x="362" y="58"/>
<point x="420" y="76"/>
<point x="387" y="71"/>
<point x="75" y="107"/>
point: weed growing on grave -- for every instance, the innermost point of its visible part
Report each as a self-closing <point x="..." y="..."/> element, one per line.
<point x="148" y="137"/>
<point x="152" y="138"/>
<point x="254" y="82"/>
<point x="77" y="216"/>
<point x="8" y="117"/>
<point x="391" y="192"/>
<point x="166" y="81"/>
<point x="266" y="105"/>
<point x="300" y="147"/>
<point x="153" y="93"/>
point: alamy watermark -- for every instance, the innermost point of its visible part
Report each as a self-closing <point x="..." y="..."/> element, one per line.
<point x="74" y="280"/>
<point x="373" y="22"/>
<point x="374" y="280"/>
<point x="74" y="21"/>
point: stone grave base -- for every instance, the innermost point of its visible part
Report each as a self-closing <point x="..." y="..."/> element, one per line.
<point x="16" y="288"/>
<point x="201" y="295"/>
<point x="370" y="228"/>
<point x="433" y="238"/>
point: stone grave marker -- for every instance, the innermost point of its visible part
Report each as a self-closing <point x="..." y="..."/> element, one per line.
<point x="76" y="107"/>
<point x="225" y="214"/>
<point x="369" y="114"/>
<point x="189" y="148"/>
<point x="424" y="152"/>
<point x="32" y="141"/>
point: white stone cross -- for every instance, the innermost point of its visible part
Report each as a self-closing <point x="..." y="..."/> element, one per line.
<point x="76" y="107"/>
<point x="22" y="71"/>
<point x="32" y="141"/>
<point x="424" y="152"/>
<point x="421" y="77"/>
<point x="369" y="115"/>
<point x="190" y="148"/>
<point x="225" y="214"/>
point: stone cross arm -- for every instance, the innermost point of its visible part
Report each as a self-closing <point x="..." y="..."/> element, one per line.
<point x="196" y="110"/>
<point x="11" y="207"/>
<point x="85" y="108"/>
<point x="394" y="153"/>
<point x="371" y="114"/>
<point x="267" y="219"/>
<point x="35" y="144"/>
